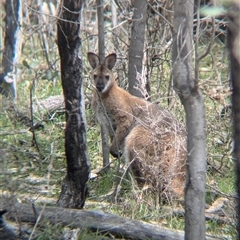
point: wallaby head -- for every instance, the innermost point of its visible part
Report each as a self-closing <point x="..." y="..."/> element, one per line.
<point x="102" y="75"/>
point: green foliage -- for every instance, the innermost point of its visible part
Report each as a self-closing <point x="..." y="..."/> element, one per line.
<point x="212" y="11"/>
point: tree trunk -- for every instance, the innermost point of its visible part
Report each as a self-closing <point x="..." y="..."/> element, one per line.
<point x="74" y="187"/>
<point x="12" y="48"/>
<point x="234" y="50"/>
<point x="101" y="38"/>
<point x="101" y="50"/>
<point x="114" y="25"/>
<point x="136" y="46"/>
<point x="190" y="95"/>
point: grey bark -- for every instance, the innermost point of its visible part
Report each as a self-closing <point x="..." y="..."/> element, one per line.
<point x="101" y="49"/>
<point x="234" y="53"/>
<point x="187" y="88"/>
<point x="74" y="187"/>
<point x="12" y="48"/>
<point x="137" y="45"/>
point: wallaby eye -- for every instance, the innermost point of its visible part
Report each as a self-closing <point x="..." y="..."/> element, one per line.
<point x="107" y="77"/>
<point x="95" y="76"/>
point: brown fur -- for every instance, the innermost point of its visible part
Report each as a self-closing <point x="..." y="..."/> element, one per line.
<point x="152" y="140"/>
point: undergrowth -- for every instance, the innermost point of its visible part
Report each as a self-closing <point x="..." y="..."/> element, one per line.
<point x="33" y="170"/>
<point x="34" y="165"/>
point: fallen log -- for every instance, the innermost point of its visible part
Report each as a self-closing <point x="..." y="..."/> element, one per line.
<point x="55" y="104"/>
<point x="92" y="220"/>
<point x="51" y="104"/>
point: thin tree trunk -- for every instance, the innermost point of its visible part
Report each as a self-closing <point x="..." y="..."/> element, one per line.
<point x="190" y="95"/>
<point x="137" y="45"/>
<point x="114" y="25"/>
<point x="12" y="48"/>
<point x="74" y="187"/>
<point x="234" y="50"/>
<point x="101" y="49"/>
<point x="101" y="38"/>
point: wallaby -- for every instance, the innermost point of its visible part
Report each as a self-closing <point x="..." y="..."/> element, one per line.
<point x="151" y="139"/>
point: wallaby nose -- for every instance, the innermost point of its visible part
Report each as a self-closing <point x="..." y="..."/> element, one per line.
<point x="100" y="85"/>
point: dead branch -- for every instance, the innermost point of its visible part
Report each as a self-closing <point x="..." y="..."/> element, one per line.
<point x="51" y="104"/>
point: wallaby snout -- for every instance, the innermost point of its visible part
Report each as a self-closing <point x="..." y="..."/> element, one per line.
<point x="100" y="85"/>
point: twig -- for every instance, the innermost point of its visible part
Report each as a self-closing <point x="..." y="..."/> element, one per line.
<point x="211" y="40"/>
<point x="31" y="116"/>
<point x="197" y="57"/>
<point x="196" y="43"/>
<point x="221" y="193"/>
<point x="38" y="220"/>
<point x="6" y="133"/>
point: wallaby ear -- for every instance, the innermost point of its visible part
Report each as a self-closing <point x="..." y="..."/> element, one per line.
<point x="110" y="60"/>
<point x="93" y="59"/>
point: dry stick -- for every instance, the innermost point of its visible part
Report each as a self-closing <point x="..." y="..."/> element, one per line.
<point x="117" y="36"/>
<point x="42" y="37"/>
<point x="234" y="196"/>
<point x="6" y="133"/>
<point x="119" y="181"/>
<point x="215" y="168"/>
<point x="196" y="43"/>
<point x="101" y="49"/>
<point x="120" y="178"/>
<point x="38" y="219"/>
<point x="197" y="57"/>
<point x="114" y="24"/>
<point x="211" y="40"/>
<point x="48" y="184"/>
<point x="31" y="115"/>
<point x="50" y="15"/>
<point x="118" y="5"/>
<point x="158" y="13"/>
